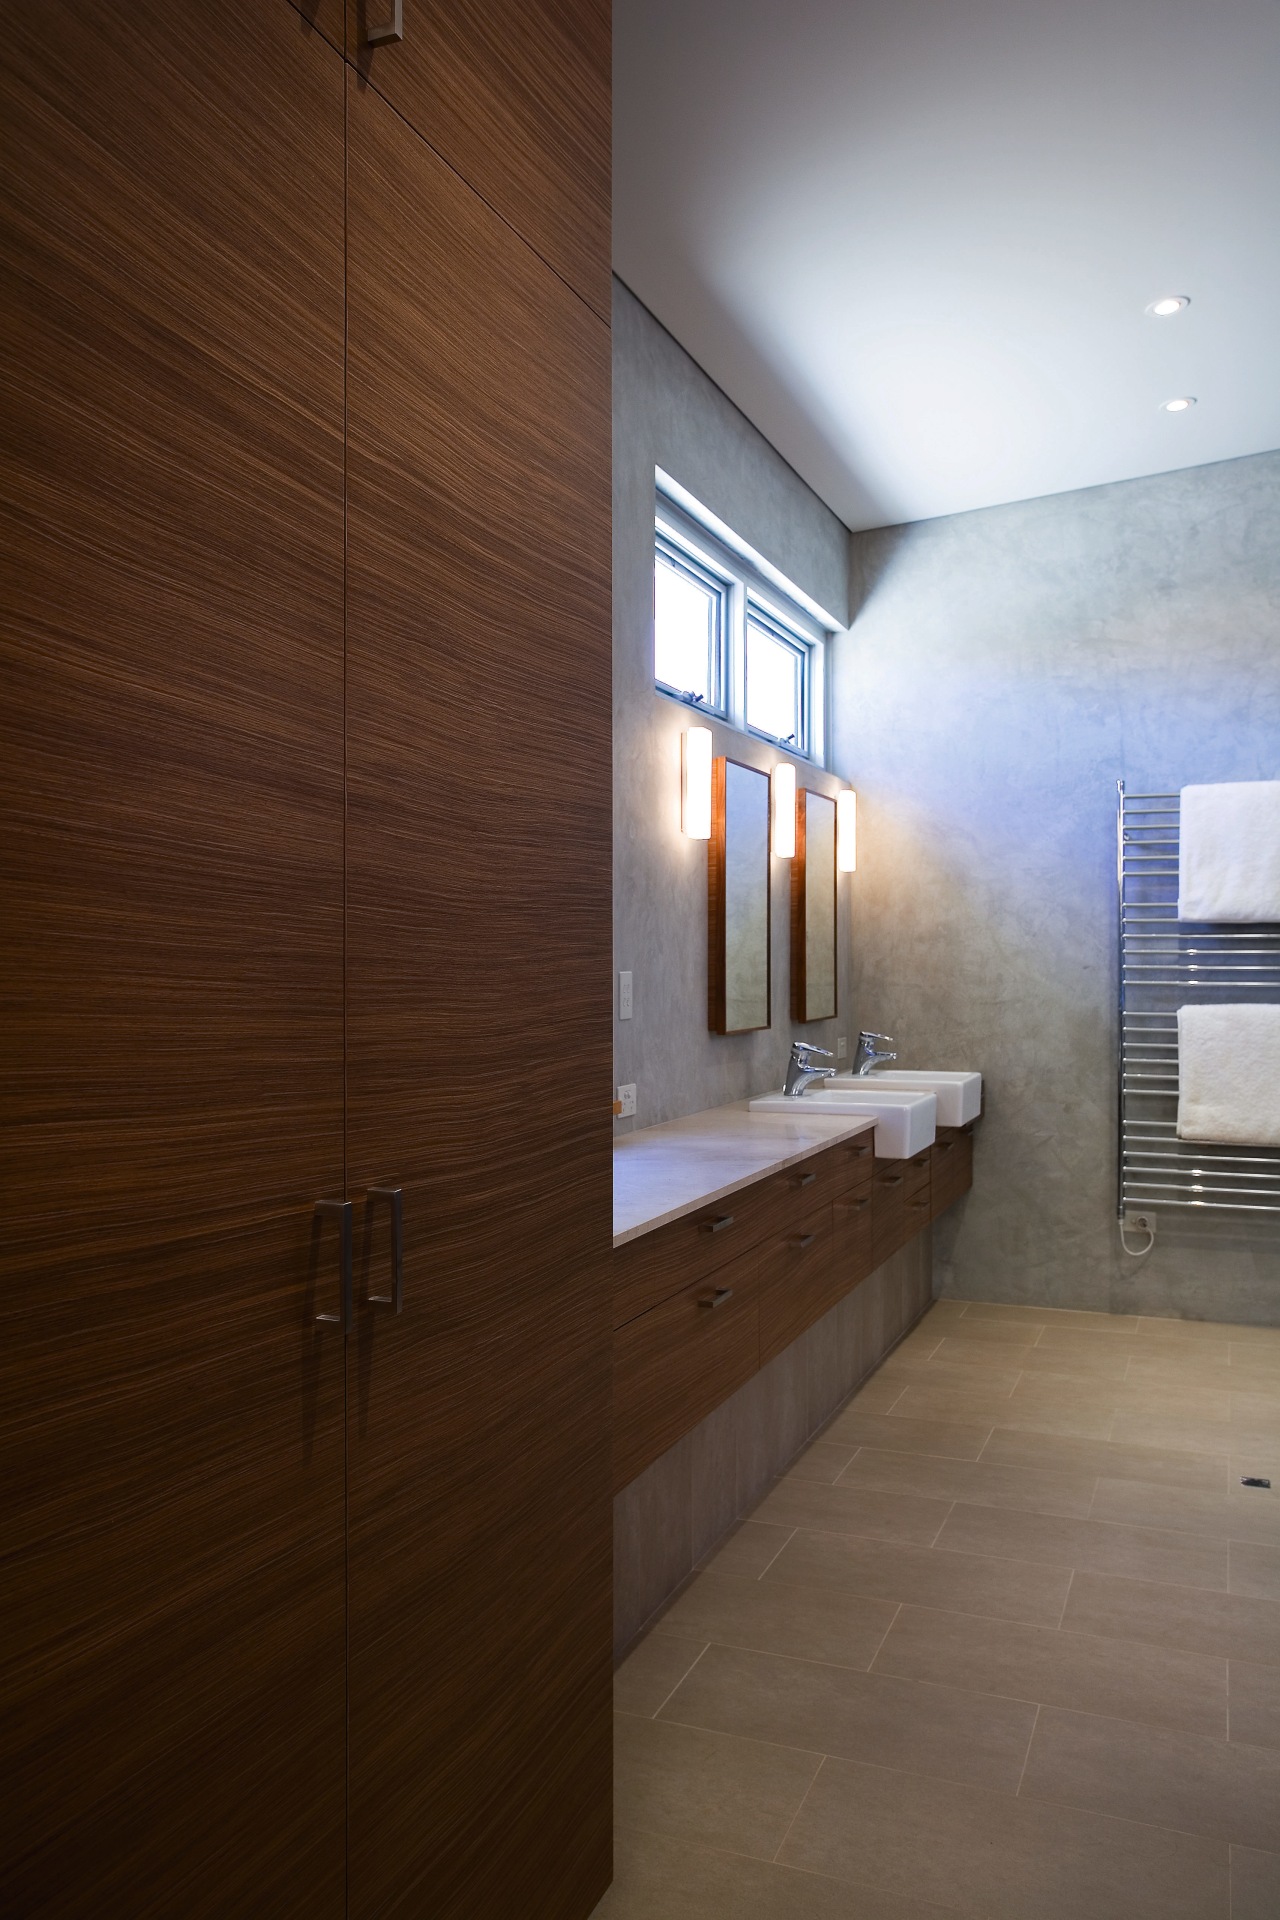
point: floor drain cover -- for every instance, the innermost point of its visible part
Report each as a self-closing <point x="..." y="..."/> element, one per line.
<point x="1251" y="1480"/>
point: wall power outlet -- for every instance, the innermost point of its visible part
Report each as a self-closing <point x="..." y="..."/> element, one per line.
<point x="626" y="1102"/>
<point x="1140" y="1222"/>
<point x="842" y="1047"/>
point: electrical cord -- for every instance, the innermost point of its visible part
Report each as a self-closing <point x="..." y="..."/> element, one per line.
<point x="1136" y="1253"/>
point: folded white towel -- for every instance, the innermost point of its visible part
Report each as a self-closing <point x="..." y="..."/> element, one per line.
<point x="1229" y="1075"/>
<point x="1229" y="852"/>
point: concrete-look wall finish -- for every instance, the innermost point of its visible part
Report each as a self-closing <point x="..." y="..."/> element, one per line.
<point x="1004" y="670"/>
<point x="667" y="414"/>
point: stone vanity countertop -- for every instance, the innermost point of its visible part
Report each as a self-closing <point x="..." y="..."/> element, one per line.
<point x="663" y="1172"/>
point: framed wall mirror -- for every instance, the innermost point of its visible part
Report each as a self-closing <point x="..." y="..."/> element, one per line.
<point x="813" y="909"/>
<point x="738" y="995"/>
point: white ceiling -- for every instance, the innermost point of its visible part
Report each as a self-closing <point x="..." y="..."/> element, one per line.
<point x="913" y="239"/>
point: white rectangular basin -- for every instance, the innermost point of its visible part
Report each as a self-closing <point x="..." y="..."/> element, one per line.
<point x="906" y="1123"/>
<point x="959" y="1095"/>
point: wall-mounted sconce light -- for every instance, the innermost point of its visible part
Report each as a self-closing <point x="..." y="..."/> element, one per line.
<point x="847" y="831"/>
<point x="783" y="785"/>
<point x="695" y="783"/>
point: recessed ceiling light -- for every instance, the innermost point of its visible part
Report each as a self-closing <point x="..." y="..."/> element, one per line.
<point x="1182" y="404"/>
<point x="1172" y="303"/>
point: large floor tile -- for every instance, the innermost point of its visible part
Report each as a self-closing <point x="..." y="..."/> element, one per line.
<point x="1254" y="1695"/>
<point x="748" y="1549"/>
<point x="1238" y="1515"/>
<point x="1000" y="1589"/>
<point x="1255" y="1884"/>
<point x="818" y="1623"/>
<point x="969" y="1406"/>
<point x="1231" y="1625"/>
<point x="965" y="1369"/>
<point x="878" y="1395"/>
<point x="876" y="1718"/>
<point x="1180" y="1780"/>
<point x="1255" y="1570"/>
<point x="950" y="1440"/>
<point x="822" y="1460"/>
<point x="1029" y="1488"/>
<point x="1091" y="1673"/>
<point x="1061" y="1454"/>
<point x="653" y="1670"/>
<point x="662" y="1879"/>
<point x="1198" y="1332"/>
<point x="796" y="1502"/>
<point x="1174" y="1432"/>
<point x="1072" y="1319"/>
<point x="993" y="1333"/>
<point x="1083" y="1357"/>
<point x="708" y="1787"/>
<point x="999" y="1857"/>
<point x="1136" y="1553"/>
<point x="1255" y="1407"/>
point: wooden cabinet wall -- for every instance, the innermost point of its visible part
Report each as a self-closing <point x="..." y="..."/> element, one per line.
<point x="701" y="1304"/>
<point x="306" y="779"/>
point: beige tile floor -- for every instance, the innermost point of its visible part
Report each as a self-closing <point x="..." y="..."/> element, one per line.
<point x="1003" y="1642"/>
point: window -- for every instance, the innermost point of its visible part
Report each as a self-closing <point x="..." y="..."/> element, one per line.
<point x="728" y="638"/>
<point x="777" y="682"/>
<point x="689" y="603"/>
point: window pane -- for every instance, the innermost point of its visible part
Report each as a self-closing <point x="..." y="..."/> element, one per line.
<point x="775" y="686"/>
<point x="685" y="621"/>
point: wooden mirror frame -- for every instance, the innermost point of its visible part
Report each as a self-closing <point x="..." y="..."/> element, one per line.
<point x="717" y="902"/>
<point x="800" y="969"/>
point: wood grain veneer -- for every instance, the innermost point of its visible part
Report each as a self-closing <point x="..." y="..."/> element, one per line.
<point x="479" y="778"/>
<point x="800" y="1278"/>
<point x="951" y="1171"/>
<point x="515" y="95"/>
<point x="171" y="1422"/>
<point x="674" y="1365"/>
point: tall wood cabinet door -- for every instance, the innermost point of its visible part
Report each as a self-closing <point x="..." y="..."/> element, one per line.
<point x="479" y="1064"/>
<point x="515" y="95"/>
<point x="171" y="1417"/>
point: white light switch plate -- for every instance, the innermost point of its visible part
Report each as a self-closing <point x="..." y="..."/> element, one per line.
<point x="842" y="1047"/>
<point x="624" y="996"/>
<point x="627" y="1100"/>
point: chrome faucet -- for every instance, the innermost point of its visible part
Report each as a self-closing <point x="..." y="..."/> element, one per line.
<point x="800" y="1074"/>
<point x="866" y="1056"/>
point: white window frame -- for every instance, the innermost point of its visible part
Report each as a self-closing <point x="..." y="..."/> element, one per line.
<point x="666" y="548"/>
<point x="750" y="583"/>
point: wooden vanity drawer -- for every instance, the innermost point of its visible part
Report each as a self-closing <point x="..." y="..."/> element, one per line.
<point x="658" y="1264"/>
<point x="799" y="1279"/>
<point x="952" y="1172"/>
<point x="675" y="1364"/>
<point x="846" y="1167"/>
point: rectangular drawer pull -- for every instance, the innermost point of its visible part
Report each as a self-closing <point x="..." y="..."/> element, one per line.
<point x="918" y="1204"/>
<point x="805" y="1240"/>
<point x="944" y="1146"/>
<point x="716" y="1299"/>
<point x="718" y="1226"/>
<point x="859" y="1153"/>
<point x="854" y="1206"/>
<point x="891" y="1179"/>
<point x="804" y="1180"/>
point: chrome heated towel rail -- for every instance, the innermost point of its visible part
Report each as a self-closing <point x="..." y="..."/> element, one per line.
<point x="1167" y="963"/>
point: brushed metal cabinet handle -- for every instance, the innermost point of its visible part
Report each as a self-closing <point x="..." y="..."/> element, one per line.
<point x="858" y="1153"/>
<point x="343" y="1210"/>
<point x="716" y="1299"/>
<point x="394" y="1196"/>
<point x="392" y="30"/>
<point x="805" y="1240"/>
<point x="717" y="1226"/>
<point x="854" y="1206"/>
<point x="891" y="1179"/>
<point x="804" y="1180"/>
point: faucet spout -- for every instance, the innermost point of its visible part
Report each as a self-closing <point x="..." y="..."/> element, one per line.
<point x="867" y="1057"/>
<point x="800" y="1074"/>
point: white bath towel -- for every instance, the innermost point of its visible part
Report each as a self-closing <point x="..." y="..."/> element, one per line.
<point x="1229" y="852"/>
<point x="1229" y="1075"/>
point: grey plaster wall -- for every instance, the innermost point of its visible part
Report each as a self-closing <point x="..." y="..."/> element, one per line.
<point x="1004" y="669"/>
<point x="668" y="414"/>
